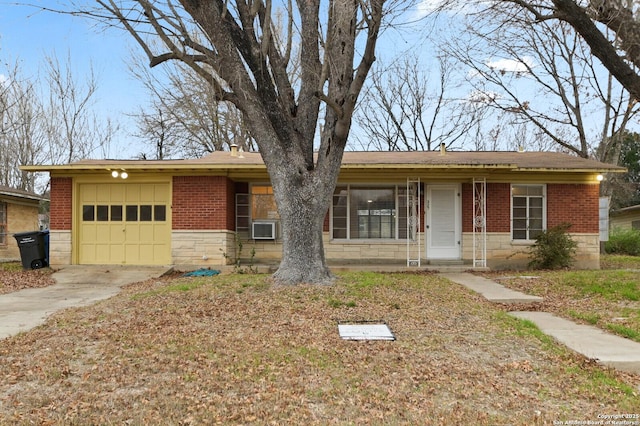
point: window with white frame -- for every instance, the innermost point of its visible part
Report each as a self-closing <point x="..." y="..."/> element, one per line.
<point x="3" y="223"/>
<point x="528" y="212"/>
<point x="369" y="212"/>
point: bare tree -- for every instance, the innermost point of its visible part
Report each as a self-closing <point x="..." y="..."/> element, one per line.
<point x="21" y="138"/>
<point x="185" y="119"/>
<point x="402" y="110"/>
<point x="247" y="63"/>
<point x="46" y="120"/>
<point x="544" y="78"/>
<point x="71" y="125"/>
<point x="611" y="28"/>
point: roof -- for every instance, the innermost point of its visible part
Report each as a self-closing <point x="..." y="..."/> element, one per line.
<point x="19" y="193"/>
<point x="630" y="209"/>
<point x="356" y="159"/>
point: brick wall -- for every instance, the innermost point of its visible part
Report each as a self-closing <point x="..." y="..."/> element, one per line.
<point x="61" y="205"/>
<point x="498" y="207"/>
<point x="573" y="203"/>
<point x="576" y="204"/>
<point x="203" y="202"/>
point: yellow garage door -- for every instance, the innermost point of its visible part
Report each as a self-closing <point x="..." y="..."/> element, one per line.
<point x="124" y="223"/>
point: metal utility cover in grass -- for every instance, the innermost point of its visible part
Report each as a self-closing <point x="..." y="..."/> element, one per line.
<point x="365" y="330"/>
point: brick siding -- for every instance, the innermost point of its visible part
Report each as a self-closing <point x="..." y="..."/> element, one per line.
<point x="61" y="205"/>
<point x="576" y="204"/>
<point x="498" y="207"/>
<point x="203" y="202"/>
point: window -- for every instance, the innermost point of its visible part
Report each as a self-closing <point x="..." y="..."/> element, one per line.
<point x="3" y="223"/>
<point x="369" y="212"/>
<point x="116" y="213"/>
<point x="145" y="213"/>
<point x="528" y="217"/>
<point x="132" y="213"/>
<point x="102" y="213"/>
<point x="263" y="203"/>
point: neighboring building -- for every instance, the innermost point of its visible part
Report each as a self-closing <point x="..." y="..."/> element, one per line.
<point x="18" y="213"/>
<point x="625" y="218"/>
<point x="478" y="208"/>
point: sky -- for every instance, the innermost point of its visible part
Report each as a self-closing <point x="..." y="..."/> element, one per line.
<point x="28" y="36"/>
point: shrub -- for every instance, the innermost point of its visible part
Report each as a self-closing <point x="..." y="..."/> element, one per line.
<point x="623" y="241"/>
<point x="553" y="249"/>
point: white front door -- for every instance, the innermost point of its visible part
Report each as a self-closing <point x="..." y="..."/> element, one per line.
<point x="443" y="221"/>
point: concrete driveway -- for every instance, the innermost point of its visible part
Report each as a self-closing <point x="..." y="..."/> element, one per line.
<point x="76" y="285"/>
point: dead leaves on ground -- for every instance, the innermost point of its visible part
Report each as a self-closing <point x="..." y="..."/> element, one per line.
<point x="233" y="350"/>
<point x="14" y="280"/>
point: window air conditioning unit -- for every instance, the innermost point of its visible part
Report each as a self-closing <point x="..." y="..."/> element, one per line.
<point x="263" y="230"/>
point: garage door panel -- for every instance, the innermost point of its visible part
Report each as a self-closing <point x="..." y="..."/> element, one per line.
<point x="161" y="193"/>
<point x="89" y="231"/>
<point x="132" y="194"/>
<point x="115" y="254"/>
<point x="88" y="194"/>
<point x="120" y="236"/>
<point x="103" y="193"/>
<point x="116" y="234"/>
<point x="102" y="253"/>
<point x="132" y="233"/>
<point x="88" y="251"/>
<point x="117" y="194"/>
<point x="147" y="233"/>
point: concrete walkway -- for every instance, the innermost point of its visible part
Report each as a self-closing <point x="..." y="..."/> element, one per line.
<point x="607" y="349"/>
<point x="613" y="351"/>
<point x="75" y="286"/>
<point x="490" y="290"/>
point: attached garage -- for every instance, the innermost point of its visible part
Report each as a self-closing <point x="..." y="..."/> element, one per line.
<point x="124" y="223"/>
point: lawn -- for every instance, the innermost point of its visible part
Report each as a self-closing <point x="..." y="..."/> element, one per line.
<point x="233" y="349"/>
<point x="608" y="298"/>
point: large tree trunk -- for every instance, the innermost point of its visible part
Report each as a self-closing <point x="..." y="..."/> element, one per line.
<point x="302" y="206"/>
<point x="303" y="189"/>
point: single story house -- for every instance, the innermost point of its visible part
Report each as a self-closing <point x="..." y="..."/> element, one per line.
<point x="477" y="208"/>
<point x="625" y="218"/>
<point x="18" y="213"/>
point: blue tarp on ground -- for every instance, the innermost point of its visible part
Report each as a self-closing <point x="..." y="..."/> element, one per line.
<point x="201" y="273"/>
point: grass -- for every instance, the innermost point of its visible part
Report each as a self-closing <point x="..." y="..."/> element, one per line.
<point x="619" y="262"/>
<point x="233" y="349"/>
<point x="608" y="298"/>
<point x="10" y="266"/>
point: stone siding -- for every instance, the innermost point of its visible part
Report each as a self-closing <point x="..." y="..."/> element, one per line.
<point x="202" y="247"/>
<point x="503" y="253"/>
<point x="59" y="248"/>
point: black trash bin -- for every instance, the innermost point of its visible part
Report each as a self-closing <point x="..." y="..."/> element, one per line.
<point x="32" y="249"/>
